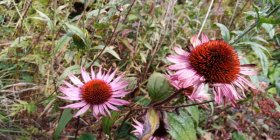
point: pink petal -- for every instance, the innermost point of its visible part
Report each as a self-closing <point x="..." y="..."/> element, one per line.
<point x="70" y="98"/>
<point x="106" y="109"/>
<point x="75" y="105"/>
<point x="99" y="74"/>
<point x="85" y="75"/>
<point x="204" y="38"/>
<point x="195" y="41"/>
<point x="75" y="80"/>
<point x="111" y="107"/>
<point x="177" y="59"/>
<point x="118" y="102"/>
<point x="95" y="110"/>
<point x="180" y="51"/>
<point x="101" y="110"/>
<point x="68" y="84"/>
<point x="70" y="92"/>
<point x="82" y="111"/>
<point x="111" y="76"/>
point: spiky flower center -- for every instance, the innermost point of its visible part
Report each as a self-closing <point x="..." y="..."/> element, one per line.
<point x="216" y="61"/>
<point x="96" y="92"/>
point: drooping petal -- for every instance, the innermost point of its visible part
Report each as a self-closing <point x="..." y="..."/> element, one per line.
<point x="111" y="106"/>
<point x="70" y="92"/>
<point x="118" y="102"/>
<point x="82" y="111"/>
<point x="69" y="98"/>
<point x="101" y="110"/>
<point x="75" y="105"/>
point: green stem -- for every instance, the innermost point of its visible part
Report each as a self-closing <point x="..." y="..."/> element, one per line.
<point x="254" y="25"/>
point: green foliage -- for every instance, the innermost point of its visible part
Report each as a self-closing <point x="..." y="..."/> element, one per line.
<point x="224" y="32"/>
<point x="87" y="136"/>
<point x="158" y="87"/>
<point x="63" y="121"/>
<point x="23" y="106"/>
<point x="181" y="126"/>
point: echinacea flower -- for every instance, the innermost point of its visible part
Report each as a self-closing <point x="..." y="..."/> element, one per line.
<point x="212" y="62"/>
<point x="160" y="133"/>
<point x="100" y="92"/>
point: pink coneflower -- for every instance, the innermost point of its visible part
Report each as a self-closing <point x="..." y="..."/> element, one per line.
<point x="98" y="92"/>
<point x="212" y="62"/>
<point x="160" y="133"/>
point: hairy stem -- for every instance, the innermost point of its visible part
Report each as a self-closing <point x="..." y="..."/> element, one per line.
<point x="194" y="104"/>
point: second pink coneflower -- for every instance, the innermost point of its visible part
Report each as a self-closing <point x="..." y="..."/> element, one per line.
<point x="212" y="62"/>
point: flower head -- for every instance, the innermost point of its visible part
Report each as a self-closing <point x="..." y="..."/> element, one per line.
<point x="212" y="62"/>
<point x="100" y="92"/>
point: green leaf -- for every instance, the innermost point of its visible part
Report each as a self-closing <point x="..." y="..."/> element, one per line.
<point x="158" y="87"/>
<point x="269" y="29"/>
<point x="194" y="112"/>
<point x="224" y="31"/>
<point x="109" y="50"/>
<point x="277" y="84"/>
<point x="181" y="126"/>
<point x="238" y="136"/>
<point x="259" y="50"/>
<point x="63" y="41"/>
<point x="64" y="119"/>
<point x="87" y="136"/>
<point x="45" y="18"/>
<point x="76" y="30"/>
<point x="108" y="122"/>
<point x="70" y="70"/>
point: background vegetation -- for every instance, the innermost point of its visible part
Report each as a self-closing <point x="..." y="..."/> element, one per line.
<point x="42" y="41"/>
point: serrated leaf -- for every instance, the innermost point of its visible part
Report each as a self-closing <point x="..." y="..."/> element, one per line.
<point x="87" y="136"/>
<point x="224" y="31"/>
<point x="158" y="87"/>
<point x="63" y="121"/>
<point x="181" y="127"/>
